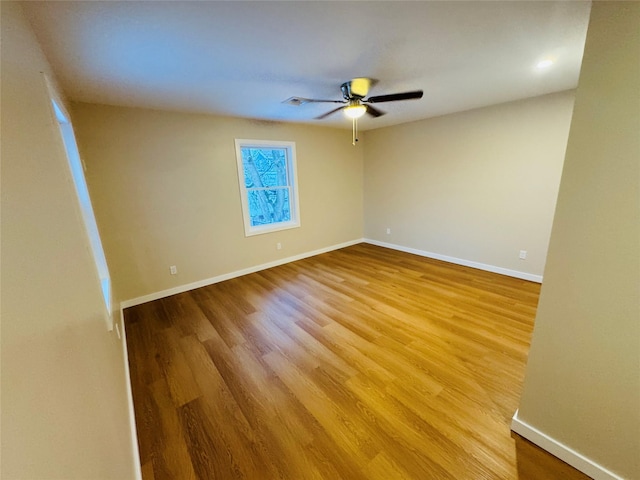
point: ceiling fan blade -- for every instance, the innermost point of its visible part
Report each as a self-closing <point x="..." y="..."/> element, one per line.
<point x="297" y="101"/>
<point x="316" y="100"/>
<point x="396" y="96"/>
<point x="374" y="112"/>
<point x="325" y="115"/>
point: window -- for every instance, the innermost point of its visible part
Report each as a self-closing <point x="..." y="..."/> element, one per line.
<point x="268" y="185"/>
<point x="77" y="174"/>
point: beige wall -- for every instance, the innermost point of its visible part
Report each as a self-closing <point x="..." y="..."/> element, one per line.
<point x="478" y="186"/>
<point x="64" y="408"/>
<point x="582" y="385"/>
<point x="165" y="189"/>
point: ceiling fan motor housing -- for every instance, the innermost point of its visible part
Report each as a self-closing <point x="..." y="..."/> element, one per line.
<point x="347" y="93"/>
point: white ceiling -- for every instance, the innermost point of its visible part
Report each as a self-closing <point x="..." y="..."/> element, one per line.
<point x="245" y="58"/>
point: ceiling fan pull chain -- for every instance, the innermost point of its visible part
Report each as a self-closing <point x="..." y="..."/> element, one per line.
<point x="355" y="132"/>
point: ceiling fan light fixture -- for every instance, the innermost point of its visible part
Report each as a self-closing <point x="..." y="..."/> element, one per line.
<point x="355" y="111"/>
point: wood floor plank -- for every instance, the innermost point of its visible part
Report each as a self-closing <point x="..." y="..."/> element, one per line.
<point x="147" y="471"/>
<point x="209" y="457"/>
<point x="361" y="363"/>
<point x="171" y="457"/>
<point x="177" y="371"/>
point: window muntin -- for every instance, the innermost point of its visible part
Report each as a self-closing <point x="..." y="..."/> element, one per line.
<point x="268" y="185"/>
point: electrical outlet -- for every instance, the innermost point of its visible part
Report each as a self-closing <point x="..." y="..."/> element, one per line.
<point x="173" y="269"/>
<point x="523" y="254"/>
<point x="278" y="246"/>
<point x="388" y="231"/>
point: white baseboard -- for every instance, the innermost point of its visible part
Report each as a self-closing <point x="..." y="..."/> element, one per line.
<point x="228" y="276"/>
<point x="560" y="450"/>
<point x="135" y="451"/>
<point x="459" y="261"/>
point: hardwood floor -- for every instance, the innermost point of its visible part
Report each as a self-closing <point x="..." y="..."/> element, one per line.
<point x="362" y="363"/>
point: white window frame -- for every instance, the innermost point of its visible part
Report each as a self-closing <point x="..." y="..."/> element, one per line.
<point x="292" y="181"/>
<point x="77" y="168"/>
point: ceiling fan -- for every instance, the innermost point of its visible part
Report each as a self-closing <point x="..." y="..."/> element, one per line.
<point x="355" y="101"/>
<point x="354" y="93"/>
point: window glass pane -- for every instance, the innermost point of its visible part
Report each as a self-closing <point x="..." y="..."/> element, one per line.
<point x="269" y="206"/>
<point x="80" y="184"/>
<point x="264" y="167"/>
<point x="267" y="177"/>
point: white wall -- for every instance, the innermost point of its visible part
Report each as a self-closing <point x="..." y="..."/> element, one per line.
<point x="64" y="409"/>
<point x="478" y="186"/>
<point x="582" y="386"/>
<point x="165" y="190"/>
